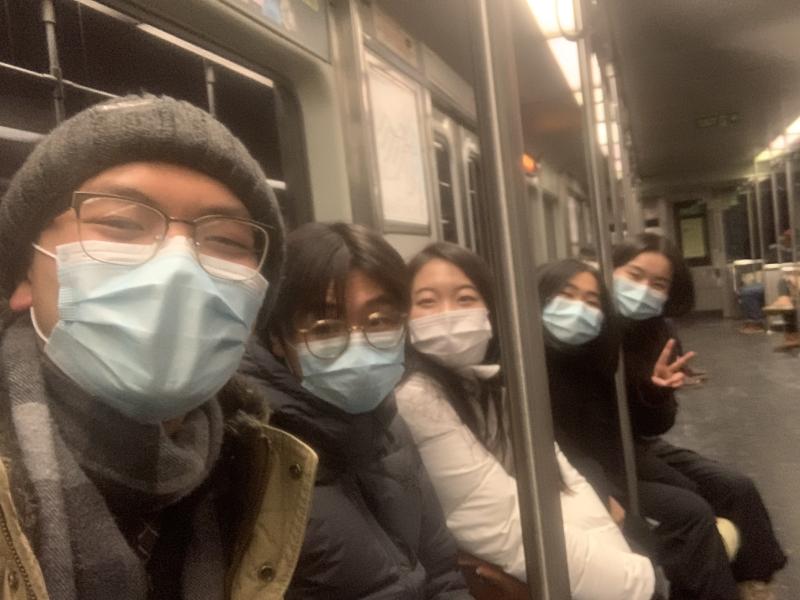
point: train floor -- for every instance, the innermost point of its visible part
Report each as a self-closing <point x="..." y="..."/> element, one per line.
<point x="747" y="414"/>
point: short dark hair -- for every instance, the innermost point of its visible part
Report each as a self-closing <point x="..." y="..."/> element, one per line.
<point x="601" y="353"/>
<point x="681" y="291"/>
<point x="457" y="392"/>
<point x="554" y="276"/>
<point x="319" y="255"/>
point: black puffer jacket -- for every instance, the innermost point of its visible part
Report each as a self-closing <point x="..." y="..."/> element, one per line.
<point x="376" y="529"/>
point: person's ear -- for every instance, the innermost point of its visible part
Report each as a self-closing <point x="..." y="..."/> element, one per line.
<point x="22" y="298"/>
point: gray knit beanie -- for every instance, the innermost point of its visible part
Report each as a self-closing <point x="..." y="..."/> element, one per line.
<point x="119" y="131"/>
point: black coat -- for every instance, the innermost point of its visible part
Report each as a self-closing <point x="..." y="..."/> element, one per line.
<point x="652" y="408"/>
<point x="584" y="406"/>
<point x="584" y="402"/>
<point x="376" y="529"/>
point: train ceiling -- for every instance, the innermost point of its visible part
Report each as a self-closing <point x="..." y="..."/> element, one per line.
<point x="550" y="117"/>
<point x="708" y="83"/>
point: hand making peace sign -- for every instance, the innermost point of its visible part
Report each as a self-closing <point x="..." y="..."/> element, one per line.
<point x="670" y="375"/>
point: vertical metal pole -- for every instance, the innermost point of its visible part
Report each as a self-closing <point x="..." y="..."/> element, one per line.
<point x="613" y="184"/>
<point x="604" y="246"/>
<point x="776" y="212"/>
<point x="351" y="72"/>
<point x="211" y="82"/>
<point x="751" y="225"/>
<point x="500" y="126"/>
<point x="790" y="198"/>
<point x="49" y="20"/>
<point x="760" y="216"/>
<point x="633" y="216"/>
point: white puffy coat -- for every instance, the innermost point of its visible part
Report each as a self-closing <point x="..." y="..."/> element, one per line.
<point x="479" y="499"/>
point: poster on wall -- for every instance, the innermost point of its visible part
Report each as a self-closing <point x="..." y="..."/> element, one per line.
<point x="693" y="237"/>
<point x="395" y="109"/>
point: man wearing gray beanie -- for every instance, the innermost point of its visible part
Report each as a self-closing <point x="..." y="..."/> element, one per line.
<point x="140" y="243"/>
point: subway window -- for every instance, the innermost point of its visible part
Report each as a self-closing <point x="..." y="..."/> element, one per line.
<point x="447" y="206"/>
<point x="474" y="183"/>
<point x="104" y="53"/>
<point x="691" y="219"/>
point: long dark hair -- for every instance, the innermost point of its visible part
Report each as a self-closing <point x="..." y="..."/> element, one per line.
<point x="552" y="278"/>
<point x="459" y="390"/>
<point x="319" y="255"/>
<point x="681" y="291"/>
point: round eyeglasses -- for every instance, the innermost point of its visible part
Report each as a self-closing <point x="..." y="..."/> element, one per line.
<point x="329" y="338"/>
<point x="113" y="218"/>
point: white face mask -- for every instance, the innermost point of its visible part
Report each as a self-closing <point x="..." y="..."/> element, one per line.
<point x="456" y="338"/>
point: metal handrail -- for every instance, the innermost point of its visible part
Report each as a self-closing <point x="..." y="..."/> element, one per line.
<point x="53" y="80"/>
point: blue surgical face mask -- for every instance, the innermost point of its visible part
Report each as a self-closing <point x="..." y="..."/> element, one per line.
<point x="636" y="300"/>
<point x="154" y="340"/>
<point x="572" y="321"/>
<point x="356" y="381"/>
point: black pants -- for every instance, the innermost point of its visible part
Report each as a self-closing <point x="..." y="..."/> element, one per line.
<point x="684" y="492"/>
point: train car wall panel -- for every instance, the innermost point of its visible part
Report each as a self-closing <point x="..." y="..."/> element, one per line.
<point x="305" y="22"/>
<point x="447" y="84"/>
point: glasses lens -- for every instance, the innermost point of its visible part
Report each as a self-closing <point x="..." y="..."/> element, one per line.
<point x="233" y="241"/>
<point x="385" y="330"/>
<point x="106" y="219"/>
<point x="327" y="338"/>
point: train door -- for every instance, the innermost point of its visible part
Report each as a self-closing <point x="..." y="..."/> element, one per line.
<point x="551" y="229"/>
<point x="576" y="225"/>
<point x="456" y="156"/>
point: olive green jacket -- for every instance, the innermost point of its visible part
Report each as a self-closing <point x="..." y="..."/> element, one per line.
<point x="276" y="495"/>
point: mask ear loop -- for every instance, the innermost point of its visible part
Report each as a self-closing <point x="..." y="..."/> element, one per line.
<point x="33" y="312"/>
<point x="36" y="326"/>
<point x="43" y="251"/>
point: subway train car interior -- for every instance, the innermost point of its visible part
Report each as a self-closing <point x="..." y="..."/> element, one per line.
<point x="528" y="132"/>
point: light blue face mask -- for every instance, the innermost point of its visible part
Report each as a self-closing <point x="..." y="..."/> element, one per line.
<point x="572" y="321"/>
<point x="356" y="381"/>
<point x="636" y="300"/>
<point x="154" y="340"/>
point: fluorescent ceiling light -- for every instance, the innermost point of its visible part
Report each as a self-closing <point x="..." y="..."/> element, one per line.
<point x="602" y="134"/>
<point x="600" y="112"/>
<point x="597" y="78"/>
<point x="102" y="8"/>
<point x="277" y="184"/>
<point x="615" y="132"/>
<point x="784" y="142"/>
<point x="764" y="155"/>
<point x="779" y="143"/>
<point x="566" y="55"/>
<point x="13" y="134"/>
<point x="548" y="13"/>
<point x="216" y="58"/>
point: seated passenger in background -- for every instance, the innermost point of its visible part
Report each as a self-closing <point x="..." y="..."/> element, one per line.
<point x="651" y="281"/>
<point x="452" y="399"/>
<point x="336" y="336"/>
<point x="751" y="300"/>
<point x="138" y="240"/>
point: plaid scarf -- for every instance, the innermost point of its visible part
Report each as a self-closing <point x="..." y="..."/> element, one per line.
<point x="87" y="464"/>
